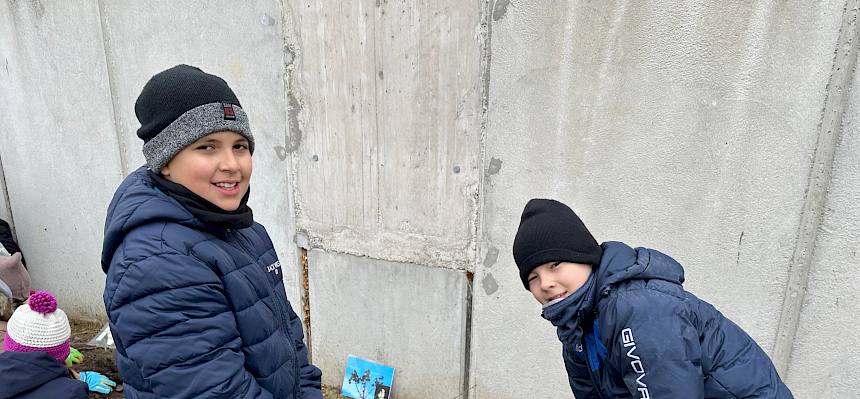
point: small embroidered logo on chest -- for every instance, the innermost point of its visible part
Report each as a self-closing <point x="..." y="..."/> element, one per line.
<point x="274" y="267"/>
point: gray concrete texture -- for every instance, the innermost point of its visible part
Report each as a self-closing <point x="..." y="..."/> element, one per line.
<point x="411" y="317"/>
<point x="387" y="99"/>
<point x="58" y="145"/>
<point x="399" y="140"/>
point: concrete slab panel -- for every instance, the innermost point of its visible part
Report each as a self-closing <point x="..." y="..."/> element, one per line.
<point x="243" y="45"/>
<point x="408" y="316"/>
<point x="388" y="100"/>
<point x="60" y="155"/>
<point x="825" y="359"/>
<point x="687" y="128"/>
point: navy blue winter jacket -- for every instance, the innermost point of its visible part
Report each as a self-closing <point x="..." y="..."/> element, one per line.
<point x="196" y="311"/>
<point x="37" y="375"/>
<point x="640" y="335"/>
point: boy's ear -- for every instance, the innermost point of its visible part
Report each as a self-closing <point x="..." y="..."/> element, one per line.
<point x="165" y="171"/>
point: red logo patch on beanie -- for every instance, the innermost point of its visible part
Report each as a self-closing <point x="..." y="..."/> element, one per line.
<point x="229" y="112"/>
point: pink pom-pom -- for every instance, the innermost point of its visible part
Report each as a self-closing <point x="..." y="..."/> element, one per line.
<point x="43" y="302"/>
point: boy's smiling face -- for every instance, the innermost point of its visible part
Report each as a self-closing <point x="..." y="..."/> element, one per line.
<point x="217" y="167"/>
<point x="556" y="280"/>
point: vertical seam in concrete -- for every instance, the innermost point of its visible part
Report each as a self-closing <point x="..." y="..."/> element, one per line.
<point x="829" y="132"/>
<point x="486" y="55"/>
<point x="291" y="183"/>
<point x="118" y="130"/>
<point x="306" y="305"/>
<point x="5" y="189"/>
<point x="288" y="83"/>
<point x="467" y="334"/>
<point x="376" y="112"/>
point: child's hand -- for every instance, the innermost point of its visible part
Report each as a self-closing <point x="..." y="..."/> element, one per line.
<point x="75" y="357"/>
<point x="96" y="382"/>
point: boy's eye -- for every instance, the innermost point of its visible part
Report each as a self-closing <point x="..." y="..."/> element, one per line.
<point x="532" y="278"/>
<point x="554" y="265"/>
<point x="206" y="147"/>
<point x="242" y="146"/>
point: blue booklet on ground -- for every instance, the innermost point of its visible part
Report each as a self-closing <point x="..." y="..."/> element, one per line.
<point x="365" y="379"/>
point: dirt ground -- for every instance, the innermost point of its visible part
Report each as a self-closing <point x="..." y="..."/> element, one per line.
<point x="95" y="358"/>
<point x="332" y="393"/>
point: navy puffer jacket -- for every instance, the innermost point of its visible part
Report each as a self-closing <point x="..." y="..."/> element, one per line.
<point x="643" y="336"/>
<point x="37" y="375"/>
<point x="197" y="312"/>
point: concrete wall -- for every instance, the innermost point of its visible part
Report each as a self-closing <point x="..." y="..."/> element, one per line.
<point x="59" y="147"/>
<point x="397" y="142"/>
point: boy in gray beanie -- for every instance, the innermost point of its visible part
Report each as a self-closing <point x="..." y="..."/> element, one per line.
<point x="194" y="292"/>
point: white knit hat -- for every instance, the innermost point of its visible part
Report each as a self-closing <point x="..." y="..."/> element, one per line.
<point x="39" y="326"/>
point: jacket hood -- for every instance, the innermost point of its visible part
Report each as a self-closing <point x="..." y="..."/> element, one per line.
<point x="24" y="371"/>
<point x="621" y="262"/>
<point x="136" y="203"/>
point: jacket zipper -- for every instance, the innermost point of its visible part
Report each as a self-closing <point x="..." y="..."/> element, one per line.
<point x="282" y="312"/>
<point x="588" y="365"/>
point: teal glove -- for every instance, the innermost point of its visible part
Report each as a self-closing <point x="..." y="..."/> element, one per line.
<point x="75" y="357"/>
<point x="97" y="382"/>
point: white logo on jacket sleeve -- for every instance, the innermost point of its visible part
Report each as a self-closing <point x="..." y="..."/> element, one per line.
<point x="274" y="267"/>
<point x="635" y="362"/>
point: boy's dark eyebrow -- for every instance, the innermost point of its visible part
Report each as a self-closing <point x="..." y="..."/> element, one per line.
<point x="211" y="140"/>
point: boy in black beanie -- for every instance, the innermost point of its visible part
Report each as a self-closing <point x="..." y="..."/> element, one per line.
<point x="628" y="328"/>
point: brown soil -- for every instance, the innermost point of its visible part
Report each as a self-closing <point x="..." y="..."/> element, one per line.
<point x="95" y="359"/>
<point x="332" y="393"/>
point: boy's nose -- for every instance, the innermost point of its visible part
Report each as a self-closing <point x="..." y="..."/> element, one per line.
<point x="547" y="283"/>
<point x="229" y="162"/>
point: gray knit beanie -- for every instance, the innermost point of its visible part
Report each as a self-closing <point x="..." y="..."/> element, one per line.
<point x="179" y="106"/>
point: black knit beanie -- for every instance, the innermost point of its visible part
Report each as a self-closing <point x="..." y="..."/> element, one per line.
<point x="550" y="232"/>
<point x="180" y="105"/>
